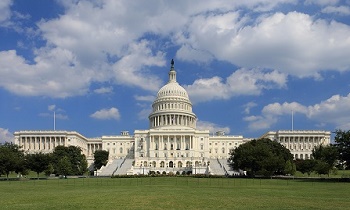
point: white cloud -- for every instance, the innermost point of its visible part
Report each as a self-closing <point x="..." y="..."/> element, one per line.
<point x="321" y="2"/>
<point x="109" y="41"/>
<point x="5" y="11"/>
<point x="6" y="136"/>
<point x="51" y="107"/>
<point x="144" y="113"/>
<point x="212" y="127"/>
<point x="106" y="114"/>
<point x="248" y="106"/>
<point x="341" y="10"/>
<point x="241" y="82"/>
<point x="293" y="43"/>
<point x="149" y="98"/>
<point x="335" y="111"/>
<point x="104" y="90"/>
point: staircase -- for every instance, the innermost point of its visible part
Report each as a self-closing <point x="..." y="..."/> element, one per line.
<point x="110" y="167"/>
<point x="216" y="168"/>
<point x="124" y="167"/>
<point x="229" y="171"/>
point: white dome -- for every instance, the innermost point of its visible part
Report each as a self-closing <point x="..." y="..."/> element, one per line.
<point x="172" y="106"/>
<point x="172" y="89"/>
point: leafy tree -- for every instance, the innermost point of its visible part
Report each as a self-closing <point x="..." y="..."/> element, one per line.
<point x="49" y="170"/>
<point x="306" y="166"/>
<point x="342" y="140"/>
<point x="322" y="167"/>
<point x="11" y="159"/>
<point x="38" y="162"/>
<point x="290" y="167"/>
<point x="64" y="166"/>
<point x="326" y="156"/>
<point x="100" y="158"/>
<point x="77" y="160"/>
<point x="261" y="157"/>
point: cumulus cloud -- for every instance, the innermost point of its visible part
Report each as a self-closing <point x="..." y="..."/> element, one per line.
<point x="334" y="110"/>
<point x="241" y="82"/>
<point x="106" y="114"/>
<point x="294" y="43"/>
<point x="113" y="41"/>
<point x="341" y="10"/>
<point x="6" y="136"/>
<point x="212" y="127"/>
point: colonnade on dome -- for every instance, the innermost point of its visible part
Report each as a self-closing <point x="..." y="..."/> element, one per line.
<point x="172" y="120"/>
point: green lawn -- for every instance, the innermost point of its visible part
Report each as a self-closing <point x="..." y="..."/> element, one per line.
<point x="173" y="193"/>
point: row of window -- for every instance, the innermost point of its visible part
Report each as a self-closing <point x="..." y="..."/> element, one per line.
<point x="172" y="106"/>
<point x="173" y="155"/>
<point x="224" y="143"/>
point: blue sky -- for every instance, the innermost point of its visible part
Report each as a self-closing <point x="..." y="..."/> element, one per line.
<point x="245" y="64"/>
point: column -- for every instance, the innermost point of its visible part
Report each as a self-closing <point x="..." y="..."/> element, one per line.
<point x="190" y="142"/>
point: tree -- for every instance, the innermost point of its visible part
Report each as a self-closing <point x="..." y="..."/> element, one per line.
<point x="77" y="160"/>
<point x="261" y="157"/>
<point x="49" y="170"/>
<point x="326" y="157"/>
<point x="100" y="158"/>
<point x="11" y="159"/>
<point x="64" y="166"/>
<point x="322" y="167"/>
<point x="38" y="162"/>
<point x="290" y="167"/>
<point x="342" y="140"/>
<point x="305" y="166"/>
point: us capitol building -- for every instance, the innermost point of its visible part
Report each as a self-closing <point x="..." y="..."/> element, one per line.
<point x="172" y="143"/>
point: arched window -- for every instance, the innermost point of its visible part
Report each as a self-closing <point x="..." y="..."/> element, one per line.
<point x="202" y="147"/>
<point x="162" y="164"/>
<point x="223" y="150"/>
<point x="121" y="150"/>
<point x="179" y="164"/>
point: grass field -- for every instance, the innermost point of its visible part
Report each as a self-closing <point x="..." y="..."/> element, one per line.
<point x="173" y="193"/>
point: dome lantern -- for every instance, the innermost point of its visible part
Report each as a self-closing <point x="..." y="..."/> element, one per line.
<point x="172" y="72"/>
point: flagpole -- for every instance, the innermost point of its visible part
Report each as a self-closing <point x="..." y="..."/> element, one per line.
<point x="54" y="120"/>
<point x="292" y="120"/>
